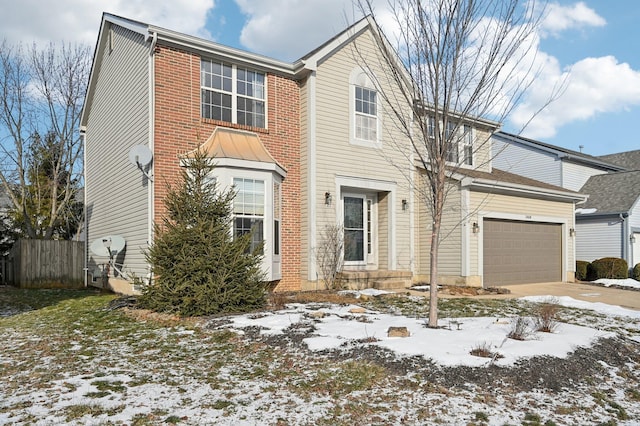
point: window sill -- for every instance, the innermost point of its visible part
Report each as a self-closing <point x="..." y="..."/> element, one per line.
<point x="366" y="143"/>
<point x="235" y="126"/>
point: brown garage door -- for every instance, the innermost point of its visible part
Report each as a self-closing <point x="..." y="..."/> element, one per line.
<point x="521" y="252"/>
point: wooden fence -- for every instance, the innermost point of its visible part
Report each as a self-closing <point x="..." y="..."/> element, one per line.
<point x="45" y="264"/>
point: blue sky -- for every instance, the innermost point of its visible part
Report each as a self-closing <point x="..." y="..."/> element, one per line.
<point x="595" y="42"/>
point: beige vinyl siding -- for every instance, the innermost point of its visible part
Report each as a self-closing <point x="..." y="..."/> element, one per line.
<point x="517" y="208"/>
<point x="482" y="150"/>
<point x="335" y="154"/>
<point x="117" y="121"/>
<point x="450" y="248"/>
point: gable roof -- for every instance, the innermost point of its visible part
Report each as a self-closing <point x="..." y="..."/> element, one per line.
<point x="613" y="193"/>
<point x="559" y="152"/>
<point x="630" y="160"/>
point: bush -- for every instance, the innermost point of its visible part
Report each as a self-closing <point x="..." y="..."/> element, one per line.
<point x="636" y="272"/>
<point x="520" y="329"/>
<point x="608" y="267"/>
<point x="545" y="315"/>
<point x="199" y="267"/>
<point x="581" y="270"/>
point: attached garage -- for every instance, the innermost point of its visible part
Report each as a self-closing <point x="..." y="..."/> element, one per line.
<point x="519" y="252"/>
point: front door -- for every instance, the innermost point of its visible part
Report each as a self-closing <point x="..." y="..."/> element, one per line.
<point x="359" y="229"/>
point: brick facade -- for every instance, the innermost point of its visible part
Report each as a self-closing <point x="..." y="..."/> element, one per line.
<point x="178" y="128"/>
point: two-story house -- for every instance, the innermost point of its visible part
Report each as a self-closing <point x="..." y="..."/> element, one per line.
<point x="608" y="222"/>
<point x="306" y="145"/>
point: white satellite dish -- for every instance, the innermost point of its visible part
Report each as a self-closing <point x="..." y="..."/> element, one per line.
<point x="108" y="246"/>
<point x="140" y="155"/>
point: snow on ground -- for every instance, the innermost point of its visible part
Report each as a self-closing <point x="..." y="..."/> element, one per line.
<point x="450" y="346"/>
<point x="599" y="307"/>
<point x="116" y="387"/>
<point x="629" y="282"/>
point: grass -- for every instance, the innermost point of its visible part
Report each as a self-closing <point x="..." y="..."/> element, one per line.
<point x="67" y="353"/>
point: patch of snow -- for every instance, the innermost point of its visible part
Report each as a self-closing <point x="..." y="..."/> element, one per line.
<point x="629" y="282"/>
<point x="600" y="307"/>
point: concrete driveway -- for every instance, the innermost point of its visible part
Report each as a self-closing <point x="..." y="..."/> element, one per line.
<point x="581" y="291"/>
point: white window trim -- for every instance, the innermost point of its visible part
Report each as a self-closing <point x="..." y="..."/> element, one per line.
<point x="234" y="94"/>
<point x="357" y="74"/>
<point x="271" y="263"/>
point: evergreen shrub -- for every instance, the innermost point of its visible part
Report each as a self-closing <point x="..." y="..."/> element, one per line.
<point x="199" y="267"/>
<point x="581" y="270"/>
<point x="608" y="267"/>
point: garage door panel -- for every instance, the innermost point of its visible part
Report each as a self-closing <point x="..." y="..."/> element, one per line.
<point x="521" y="252"/>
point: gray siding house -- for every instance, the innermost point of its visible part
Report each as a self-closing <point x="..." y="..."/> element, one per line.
<point x="608" y="223"/>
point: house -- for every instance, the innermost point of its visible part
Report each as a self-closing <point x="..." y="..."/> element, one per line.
<point x="630" y="160"/>
<point x="308" y="146"/>
<point x="608" y="223"/>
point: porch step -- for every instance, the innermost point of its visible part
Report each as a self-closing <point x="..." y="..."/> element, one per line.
<point x="381" y="280"/>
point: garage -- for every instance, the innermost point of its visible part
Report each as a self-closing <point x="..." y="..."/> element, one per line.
<point x="518" y="252"/>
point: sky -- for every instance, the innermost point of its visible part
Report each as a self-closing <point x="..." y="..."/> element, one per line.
<point x="590" y="44"/>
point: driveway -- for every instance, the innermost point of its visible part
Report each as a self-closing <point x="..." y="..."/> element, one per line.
<point x="581" y="291"/>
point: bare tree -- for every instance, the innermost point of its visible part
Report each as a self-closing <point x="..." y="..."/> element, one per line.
<point x="452" y="64"/>
<point x="41" y="93"/>
<point x="329" y="255"/>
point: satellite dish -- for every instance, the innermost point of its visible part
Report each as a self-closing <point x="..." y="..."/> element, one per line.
<point x="140" y="155"/>
<point x="108" y="246"/>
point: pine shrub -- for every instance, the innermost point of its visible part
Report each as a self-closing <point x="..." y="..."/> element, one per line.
<point x="608" y="267"/>
<point x="581" y="270"/>
<point x="199" y="267"/>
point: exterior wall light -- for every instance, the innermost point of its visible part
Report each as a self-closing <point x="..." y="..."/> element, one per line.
<point x="475" y="227"/>
<point x="632" y="238"/>
<point x="327" y="198"/>
<point x="572" y="232"/>
<point x="405" y="206"/>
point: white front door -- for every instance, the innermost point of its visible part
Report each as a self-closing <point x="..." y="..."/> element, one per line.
<point x="359" y="221"/>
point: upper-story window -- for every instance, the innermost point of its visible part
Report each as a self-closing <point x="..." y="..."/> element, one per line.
<point x="364" y="109"/>
<point x="431" y="126"/>
<point x="366" y="114"/>
<point x="232" y="94"/>
<point x="467" y="147"/>
<point x="451" y="142"/>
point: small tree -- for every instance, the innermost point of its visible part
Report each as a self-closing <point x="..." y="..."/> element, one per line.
<point x="200" y="268"/>
<point x="329" y="256"/>
<point x="451" y="63"/>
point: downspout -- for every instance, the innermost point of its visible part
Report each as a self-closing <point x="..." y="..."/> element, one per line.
<point x="625" y="237"/>
<point x="151" y="121"/>
<point x="85" y="269"/>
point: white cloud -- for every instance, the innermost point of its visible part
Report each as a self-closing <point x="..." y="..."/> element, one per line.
<point x="593" y="86"/>
<point x="288" y="29"/>
<point x="561" y="18"/>
<point x="29" y="21"/>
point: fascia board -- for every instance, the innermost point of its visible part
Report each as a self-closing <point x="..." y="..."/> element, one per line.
<point x="525" y="189"/>
<point x="229" y="53"/>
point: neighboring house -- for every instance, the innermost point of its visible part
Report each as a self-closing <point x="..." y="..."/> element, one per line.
<point x="307" y="145"/>
<point x="547" y="163"/>
<point x="608" y="223"/>
<point x="630" y="160"/>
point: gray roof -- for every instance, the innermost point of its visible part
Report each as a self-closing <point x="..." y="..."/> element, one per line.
<point x="630" y="160"/>
<point x="612" y="193"/>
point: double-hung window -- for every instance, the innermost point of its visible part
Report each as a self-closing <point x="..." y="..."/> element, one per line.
<point x="451" y="142"/>
<point x="232" y="94"/>
<point x="468" y="145"/>
<point x="366" y="114"/>
<point x="248" y="209"/>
